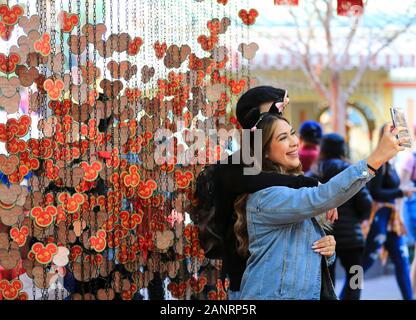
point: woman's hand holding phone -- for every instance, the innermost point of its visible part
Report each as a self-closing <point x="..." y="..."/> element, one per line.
<point x="388" y="146"/>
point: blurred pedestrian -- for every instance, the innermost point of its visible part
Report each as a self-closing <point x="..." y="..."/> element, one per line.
<point x="347" y="229"/>
<point x="386" y="227"/>
<point x="408" y="180"/>
<point x="310" y="137"/>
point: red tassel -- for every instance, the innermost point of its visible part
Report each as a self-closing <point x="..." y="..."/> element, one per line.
<point x="286" y="2"/>
<point x="346" y="7"/>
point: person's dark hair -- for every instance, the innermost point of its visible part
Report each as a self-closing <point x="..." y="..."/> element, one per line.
<point x="333" y="146"/>
<point x="248" y="106"/>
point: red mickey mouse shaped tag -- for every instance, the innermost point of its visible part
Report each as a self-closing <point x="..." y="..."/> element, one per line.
<point x="10" y="16"/>
<point x="44" y="254"/>
<point x="249" y="17"/>
<point x="43" y="45"/>
<point x="53" y="88"/>
<point x="68" y="21"/>
<point x="9" y="290"/>
<point x="19" y="235"/>
<point x="183" y="180"/>
<point x="43" y="217"/>
<point x="146" y="188"/>
<point x="99" y="242"/>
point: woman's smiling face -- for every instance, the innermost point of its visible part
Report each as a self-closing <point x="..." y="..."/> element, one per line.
<point x="284" y="146"/>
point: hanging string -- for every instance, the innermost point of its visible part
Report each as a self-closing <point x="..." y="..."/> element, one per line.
<point x="79" y="107"/>
<point x="52" y="71"/>
<point x="88" y="122"/>
<point x="134" y="22"/>
<point x="106" y="115"/>
<point x="65" y="168"/>
<point x="129" y="207"/>
<point x="31" y="191"/>
<point x="114" y="126"/>
<point x="119" y="129"/>
<point x="43" y="115"/>
<point x="94" y="65"/>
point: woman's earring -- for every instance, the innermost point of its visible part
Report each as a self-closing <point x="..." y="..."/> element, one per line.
<point x="267" y="155"/>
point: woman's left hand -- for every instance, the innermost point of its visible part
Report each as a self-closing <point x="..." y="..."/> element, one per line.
<point x="325" y="246"/>
<point x="332" y="215"/>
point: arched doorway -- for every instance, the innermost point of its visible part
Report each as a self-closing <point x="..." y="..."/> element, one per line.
<point x="360" y="126"/>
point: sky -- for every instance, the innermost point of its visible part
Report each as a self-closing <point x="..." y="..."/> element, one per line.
<point x="378" y="15"/>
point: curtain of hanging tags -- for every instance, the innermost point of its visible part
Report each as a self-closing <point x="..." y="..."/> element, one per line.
<point x="91" y="92"/>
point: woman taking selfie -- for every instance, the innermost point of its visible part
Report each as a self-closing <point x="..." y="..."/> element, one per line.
<point x="277" y="227"/>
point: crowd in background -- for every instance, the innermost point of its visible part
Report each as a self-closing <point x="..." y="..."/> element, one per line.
<point x="378" y="222"/>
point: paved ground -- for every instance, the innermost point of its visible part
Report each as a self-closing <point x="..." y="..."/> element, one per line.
<point x="379" y="282"/>
<point x="379" y="288"/>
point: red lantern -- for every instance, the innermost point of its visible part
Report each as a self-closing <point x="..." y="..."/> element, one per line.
<point x="345" y="7"/>
<point x="286" y="2"/>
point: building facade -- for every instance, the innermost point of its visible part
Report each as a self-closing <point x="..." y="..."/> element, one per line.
<point x="388" y="82"/>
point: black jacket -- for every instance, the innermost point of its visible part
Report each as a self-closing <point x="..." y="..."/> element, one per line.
<point x="231" y="182"/>
<point x="384" y="187"/>
<point x="347" y="229"/>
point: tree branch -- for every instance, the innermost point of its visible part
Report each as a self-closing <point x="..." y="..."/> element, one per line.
<point x="328" y="36"/>
<point x="304" y="63"/>
<point x="305" y="58"/>
<point x="349" y="39"/>
<point x="371" y="55"/>
<point x="390" y="39"/>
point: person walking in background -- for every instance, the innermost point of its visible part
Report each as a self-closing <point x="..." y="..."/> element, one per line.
<point x="347" y="229"/>
<point x="386" y="227"/>
<point x="310" y="138"/>
<point x="408" y="180"/>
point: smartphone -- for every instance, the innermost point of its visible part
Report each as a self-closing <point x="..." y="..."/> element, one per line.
<point x="399" y="120"/>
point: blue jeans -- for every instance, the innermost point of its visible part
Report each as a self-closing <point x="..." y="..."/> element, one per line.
<point x="409" y="216"/>
<point x="395" y="245"/>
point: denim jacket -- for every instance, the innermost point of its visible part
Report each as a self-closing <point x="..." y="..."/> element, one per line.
<point x="282" y="263"/>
